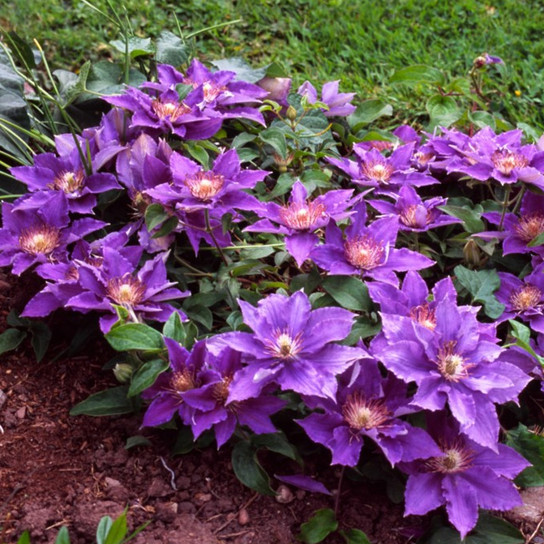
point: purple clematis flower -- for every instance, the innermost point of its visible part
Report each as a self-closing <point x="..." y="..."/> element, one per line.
<point x="385" y="173"/>
<point x="338" y="103"/>
<point x="523" y="298"/>
<point x="221" y="188"/>
<point x="367" y="251"/>
<point x="456" y="363"/>
<point x="34" y="236"/>
<point x="292" y="345"/>
<point x="301" y="217"/>
<point x="370" y="406"/>
<point x="501" y="157"/>
<point x="464" y="477"/>
<point x="168" y="393"/>
<point x="211" y="406"/>
<point x="142" y="293"/>
<point x="414" y="214"/>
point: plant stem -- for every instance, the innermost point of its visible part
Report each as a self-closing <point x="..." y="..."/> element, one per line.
<point x="209" y="230"/>
<point x="338" y="493"/>
<point x="505" y="205"/>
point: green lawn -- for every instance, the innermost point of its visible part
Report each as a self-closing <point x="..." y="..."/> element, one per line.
<point x="360" y="42"/>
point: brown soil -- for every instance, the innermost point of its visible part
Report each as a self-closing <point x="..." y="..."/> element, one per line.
<point x="59" y="470"/>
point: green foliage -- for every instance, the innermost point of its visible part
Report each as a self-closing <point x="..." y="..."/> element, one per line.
<point x="318" y="527"/>
<point x="110" y="402"/>
<point x="531" y="446"/>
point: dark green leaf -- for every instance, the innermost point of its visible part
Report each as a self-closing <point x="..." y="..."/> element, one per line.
<point x="418" y="73"/>
<point x="185" y="442"/>
<point x="276" y="442"/>
<point x="155" y="214"/>
<point x="41" y="336"/>
<point x="168" y="226"/>
<point x="63" y="537"/>
<point x="111" y="402"/>
<point x="200" y="314"/>
<point x="104" y="526"/>
<point x="137" y="440"/>
<point x="471" y="219"/>
<point x="170" y="49"/>
<point x="146" y="375"/>
<point x="538" y="240"/>
<point x="275" y="138"/>
<point x="24" y="538"/>
<point x="242" y="139"/>
<point x="531" y="446"/>
<point x="10" y="339"/>
<point x="368" y="111"/>
<point x="135" y="336"/>
<point x="284" y="184"/>
<point x="118" y="530"/>
<point x="355" y="536"/>
<point x="174" y="328"/>
<point x="137" y="47"/>
<point x="108" y="78"/>
<point x="21" y="50"/>
<point x="248" y="470"/>
<point x="443" y="110"/>
<point x="318" y="527"/>
<point x="244" y="72"/>
<point x="481" y="284"/>
<point x="198" y="152"/>
<point x="351" y="293"/>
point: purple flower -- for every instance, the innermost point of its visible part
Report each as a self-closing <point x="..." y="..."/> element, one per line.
<point x="300" y="217"/>
<point x="292" y="345"/>
<point x="414" y="214"/>
<point x="142" y="293"/>
<point x="501" y="157"/>
<point x="370" y="406"/>
<point x="455" y="363"/>
<point x="338" y="103"/>
<point x="277" y="88"/>
<point x="464" y="477"/>
<point x="485" y="59"/>
<point x="211" y="406"/>
<point x="33" y="236"/>
<point x="368" y="251"/>
<point x="375" y="170"/>
<point x="169" y="390"/>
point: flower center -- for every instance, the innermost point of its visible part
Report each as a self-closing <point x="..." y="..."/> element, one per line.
<point x="456" y="458"/>
<point x="361" y="413"/>
<point x="126" y="291"/>
<point x="525" y="297"/>
<point x="415" y="216"/>
<point x="302" y="216"/>
<point x="68" y="182"/>
<point x="40" y="240"/>
<point x="364" y="252"/>
<point x="182" y="381"/>
<point x="451" y="365"/>
<point x="378" y="171"/>
<point x="424" y="315"/>
<point x="284" y="345"/>
<point x="169" y="108"/>
<point x="530" y="226"/>
<point x="205" y="185"/>
<point x="212" y="91"/>
<point x="423" y="158"/>
<point x="505" y="161"/>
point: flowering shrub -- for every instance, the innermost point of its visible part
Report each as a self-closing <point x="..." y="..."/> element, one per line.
<point x="288" y="255"/>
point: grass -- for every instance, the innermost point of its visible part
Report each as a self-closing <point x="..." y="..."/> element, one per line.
<point x="360" y="42"/>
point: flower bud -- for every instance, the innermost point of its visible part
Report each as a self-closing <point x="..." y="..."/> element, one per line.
<point x="123" y="372"/>
<point x="472" y="254"/>
<point x="291" y="113"/>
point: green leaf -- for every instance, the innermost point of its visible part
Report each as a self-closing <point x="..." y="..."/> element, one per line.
<point x="137" y="440"/>
<point x="168" y="226"/>
<point x="248" y="470"/>
<point x="531" y="446"/>
<point x="276" y="138"/>
<point x="63" y="537"/>
<point x="418" y="73"/>
<point x="137" y="47"/>
<point x="242" y="139"/>
<point x="471" y="218"/>
<point x="197" y="152"/>
<point x="355" y="536"/>
<point x="170" y="49"/>
<point x="482" y="119"/>
<point x="155" y="214"/>
<point x="118" y="530"/>
<point x="538" y="240"/>
<point x="185" y="442"/>
<point x="24" y="538"/>
<point x="244" y="72"/>
<point x="201" y="315"/>
<point x="522" y="334"/>
<point x="276" y="442"/>
<point x="351" y="293"/>
<point x="21" y="49"/>
<point x="108" y="78"/>
<point x="146" y="375"/>
<point x="368" y="112"/>
<point x="284" y="184"/>
<point x="318" y="527"/>
<point x="104" y="526"/>
<point x="41" y="336"/>
<point x="481" y="284"/>
<point x="135" y="336"/>
<point x="11" y="339"/>
<point x="443" y="110"/>
<point x="174" y="328"/>
<point x="110" y="402"/>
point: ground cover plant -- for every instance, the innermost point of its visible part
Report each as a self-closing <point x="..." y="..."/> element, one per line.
<point x="275" y="272"/>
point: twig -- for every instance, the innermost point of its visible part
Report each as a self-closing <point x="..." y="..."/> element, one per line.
<point x="528" y="540"/>
<point x="229" y="521"/>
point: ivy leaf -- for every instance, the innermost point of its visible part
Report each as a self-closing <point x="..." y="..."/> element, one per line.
<point x="318" y="527"/>
<point x="481" y="284"/>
